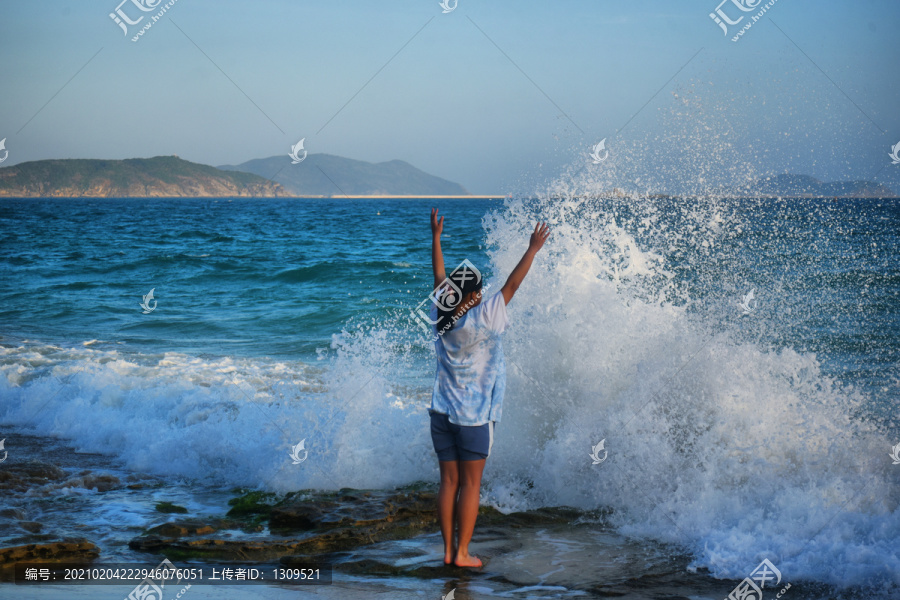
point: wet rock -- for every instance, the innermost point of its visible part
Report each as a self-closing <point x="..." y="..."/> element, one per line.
<point x="177" y="530"/>
<point x="32" y="475"/>
<point x="370" y="566"/>
<point x="306" y="517"/>
<point x="322" y="523"/>
<point x="168" y="507"/>
<point x="68" y="550"/>
<point x="252" y="506"/>
<point x="31" y="526"/>
<point x="191" y="528"/>
<point x="366" y="566"/>
<point x="101" y="483"/>
<point x="245" y="550"/>
<point x="361" y="510"/>
<point x="488" y="515"/>
<point x="31" y="538"/>
<point x="20" y="477"/>
<point x="12" y="513"/>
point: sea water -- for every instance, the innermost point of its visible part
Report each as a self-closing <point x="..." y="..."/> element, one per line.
<point x="738" y="358"/>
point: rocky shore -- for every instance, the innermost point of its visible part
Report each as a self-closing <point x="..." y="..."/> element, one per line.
<point x="301" y="524"/>
<point x="389" y="535"/>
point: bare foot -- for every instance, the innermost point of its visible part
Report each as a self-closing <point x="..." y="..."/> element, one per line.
<point x="448" y="556"/>
<point x="472" y="562"/>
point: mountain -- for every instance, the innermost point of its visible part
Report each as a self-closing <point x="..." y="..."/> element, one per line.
<point x="162" y="176"/>
<point x="328" y="175"/>
<point x="804" y="186"/>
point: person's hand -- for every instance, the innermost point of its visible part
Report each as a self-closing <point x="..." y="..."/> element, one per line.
<point x="541" y="232"/>
<point x="437" y="225"/>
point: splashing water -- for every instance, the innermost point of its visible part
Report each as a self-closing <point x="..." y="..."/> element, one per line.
<point x="721" y="438"/>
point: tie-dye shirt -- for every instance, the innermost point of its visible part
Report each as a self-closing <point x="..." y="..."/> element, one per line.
<point x="471" y="372"/>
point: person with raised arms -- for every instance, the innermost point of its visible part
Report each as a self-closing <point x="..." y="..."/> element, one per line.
<point x="469" y="383"/>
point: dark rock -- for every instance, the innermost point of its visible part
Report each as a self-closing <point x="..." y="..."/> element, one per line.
<point x="55" y="551"/>
<point x="252" y="505"/>
<point x="101" y="483"/>
<point x="211" y="548"/>
<point x="12" y="513"/>
<point x="368" y="509"/>
<point x="20" y="477"/>
<point x="327" y="522"/>
<point x="369" y="566"/>
<point x="31" y="526"/>
<point x="191" y="527"/>
<point x="303" y="518"/>
<point x="168" y="507"/>
<point x="68" y="550"/>
<point x="26" y="476"/>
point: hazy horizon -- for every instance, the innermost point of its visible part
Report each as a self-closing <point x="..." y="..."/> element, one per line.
<point x="500" y="98"/>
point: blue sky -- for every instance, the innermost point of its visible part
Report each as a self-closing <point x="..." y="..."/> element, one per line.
<point x="497" y="96"/>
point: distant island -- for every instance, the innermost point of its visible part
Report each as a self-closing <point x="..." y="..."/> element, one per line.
<point x="162" y="176"/>
<point x="329" y="175"/>
<point x="319" y="175"/>
<point x="804" y="186"/>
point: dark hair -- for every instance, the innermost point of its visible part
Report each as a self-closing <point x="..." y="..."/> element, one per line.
<point x="465" y="280"/>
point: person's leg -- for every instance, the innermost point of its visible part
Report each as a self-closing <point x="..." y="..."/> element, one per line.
<point x="467" y="509"/>
<point x="447" y="506"/>
<point x="443" y="436"/>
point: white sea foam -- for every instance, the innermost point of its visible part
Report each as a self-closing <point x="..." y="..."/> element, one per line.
<point x="733" y="450"/>
<point x="221" y="419"/>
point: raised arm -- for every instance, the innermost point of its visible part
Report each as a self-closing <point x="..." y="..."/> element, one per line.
<point x="437" y="256"/>
<point x="541" y="231"/>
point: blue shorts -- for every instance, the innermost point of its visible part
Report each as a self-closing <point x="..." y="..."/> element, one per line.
<point x="458" y="442"/>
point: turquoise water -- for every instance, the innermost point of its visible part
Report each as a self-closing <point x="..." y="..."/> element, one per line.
<point x="249" y="277"/>
<point x="282" y="320"/>
<point x="280" y="277"/>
